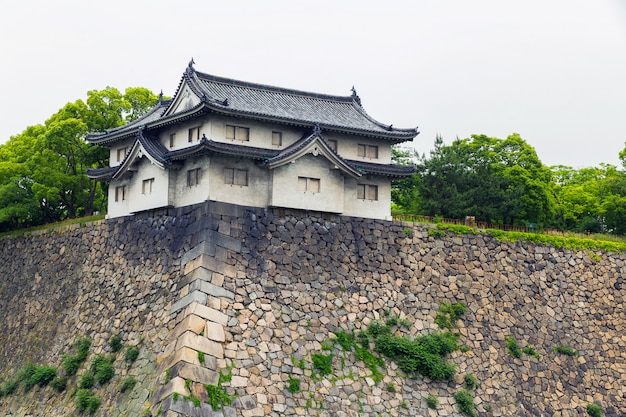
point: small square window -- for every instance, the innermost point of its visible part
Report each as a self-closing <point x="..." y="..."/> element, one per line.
<point x="121" y="154"/>
<point x="120" y="193"/>
<point x="146" y="186"/>
<point x="237" y="133"/>
<point x="277" y="138"/>
<point x="194" y="133"/>
<point x="233" y="176"/>
<point x="367" y="192"/>
<point x="368" y="151"/>
<point x="311" y="185"/>
<point x="193" y="177"/>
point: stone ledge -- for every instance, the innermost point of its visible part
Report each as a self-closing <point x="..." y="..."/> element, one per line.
<point x="192" y="322"/>
<point x="192" y="297"/>
<point x="211" y="264"/>
<point x="196" y="373"/>
<point x="197" y="274"/>
<point x="201" y="344"/>
<point x="210" y="289"/>
<point x="206" y="313"/>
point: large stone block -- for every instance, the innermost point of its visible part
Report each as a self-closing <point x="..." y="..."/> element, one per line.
<point x="200" y="343"/>
<point x="195" y="373"/>
<point x="210" y="289"/>
<point x="192" y="297"/>
<point x="212" y="264"/>
<point x="197" y="274"/>
<point x="184" y="353"/>
<point x="205" y="247"/>
<point x="207" y="313"/>
<point x="214" y="331"/>
<point x="192" y="322"/>
<point x="174" y="385"/>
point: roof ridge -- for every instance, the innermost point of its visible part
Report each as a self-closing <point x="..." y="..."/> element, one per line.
<point x="271" y="88"/>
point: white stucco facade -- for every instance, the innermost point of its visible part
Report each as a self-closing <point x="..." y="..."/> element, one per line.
<point x="252" y="145"/>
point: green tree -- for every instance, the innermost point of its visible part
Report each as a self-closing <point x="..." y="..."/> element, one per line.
<point x="492" y="179"/>
<point x="42" y="170"/>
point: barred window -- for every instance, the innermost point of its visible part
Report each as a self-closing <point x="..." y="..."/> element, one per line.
<point x="193" y="177"/>
<point x="310" y="185"/>
<point x="368" y="151"/>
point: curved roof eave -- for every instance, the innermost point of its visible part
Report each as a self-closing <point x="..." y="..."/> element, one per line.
<point x="316" y="145"/>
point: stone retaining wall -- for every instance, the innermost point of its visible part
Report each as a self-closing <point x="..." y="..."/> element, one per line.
<point x="258" y="292"/>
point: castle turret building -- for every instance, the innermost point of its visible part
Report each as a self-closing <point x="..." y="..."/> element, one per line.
<point x="220" y="139"/>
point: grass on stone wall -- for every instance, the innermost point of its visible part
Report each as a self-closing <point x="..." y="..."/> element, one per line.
<point x="607" y="244"/>
<point x="51" y="226"/>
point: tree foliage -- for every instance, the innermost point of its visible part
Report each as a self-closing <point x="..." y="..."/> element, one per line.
<point x="42" y="169"/>
<point x="503" y="181"/>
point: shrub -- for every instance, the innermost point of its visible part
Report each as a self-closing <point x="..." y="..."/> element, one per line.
<point x="345" y="340"/>
<point x="448" y="314"/>
<point x="594" y="410"/>
<point x="201" y="357"/>
<point x="128" y="384"/>
<point x="423" y="355"/>
<point x="86" y="381"/>
<point x="43" y="375"/>
<point x="217" y="397"/>
<point x="465" y="401"/>
<point x="293" y="385"/>
<point x="530" y="351"/>
<point x="59" y="383"/>
<point x="470" y="381"/>
<point x="86" y="401"/>
<point x="131" y="354"/>
<point x="116" y="343"/>
<point x="102" y="369"/>
<point x="9" y="387"/>
<point x="323" y="363"/>
<point x="432" y="401"/>
<point x="71" y="364"/>
<point x="565" y="350"/>
<point x="513" y="347"/>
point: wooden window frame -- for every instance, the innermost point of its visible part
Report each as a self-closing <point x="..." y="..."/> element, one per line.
<point x="172" y="139"/>
<point x="121" y="153"/>
<point x="277" y="138"/>
<point x="147" y="185"/>
<point x="236" y="177"/>
<point x="309" y="185"/>
<point x="120" y="193"/>
<point x="240" y="133"/>
<point x="367" y="151"/>
<point x="367" y="192"/>
<point x="193" y="177"/>
<point x="194" y="131"/>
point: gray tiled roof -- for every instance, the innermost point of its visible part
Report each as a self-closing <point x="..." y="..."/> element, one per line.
<point x="281" y="105"/>
<point x="335" y="112"/>
<point x="128" y="129"/>
<point x="388" y="170"/>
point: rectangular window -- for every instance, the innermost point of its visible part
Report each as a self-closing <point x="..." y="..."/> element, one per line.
<point x="194" y="133"/>
<point x="237" y="133"/>
<point x="146" y="186"/>
<point x="367" y="192"/>
<point x="172" y="139"/>
<point x="193" y="177"/>
<point x="311" y="185"/>
<point x="233" y="176"/>
<point x="120" y="193"/>
<point x="121" y="153"/>
<point x="277" y="138"/>
<point x="332" y="144"/>
<point x="368" y="151"/>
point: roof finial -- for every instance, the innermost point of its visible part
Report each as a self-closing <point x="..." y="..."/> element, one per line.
<point x="191" y="63"/>
<point x="355" y="96"/>
<point x="317" y="130"/>
<point x="161" y="96"/>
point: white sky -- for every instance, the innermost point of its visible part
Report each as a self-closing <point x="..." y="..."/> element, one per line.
<point x="553" y="71"/>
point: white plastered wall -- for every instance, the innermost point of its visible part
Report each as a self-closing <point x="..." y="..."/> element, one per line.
<point x="158" y="197"/>
<point x="255" y="194"/>
<point x="375" y="209"/>
<point x="285" y="192"/>
<point x="347" y="147"/>
<point x="184" y="194"/>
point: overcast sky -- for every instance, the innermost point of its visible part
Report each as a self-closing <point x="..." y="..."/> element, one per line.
<point x="553" y="71"/>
